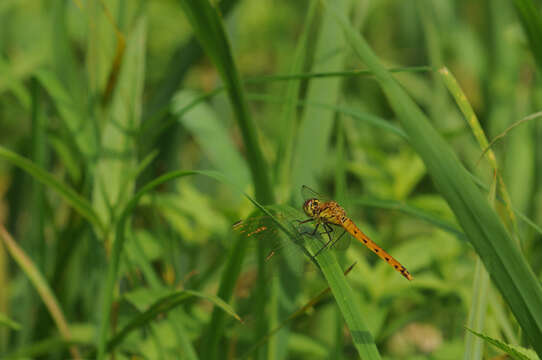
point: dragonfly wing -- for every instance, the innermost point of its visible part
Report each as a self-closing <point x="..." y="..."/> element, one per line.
<point x="259" y="229"/>
<point x="281" y="249"/>
<point x="342" y="243"/>
<point x="308" y="193"/>
<point x="266" y="230"/>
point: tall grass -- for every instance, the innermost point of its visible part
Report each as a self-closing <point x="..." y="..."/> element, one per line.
<point x="135" y="133"/>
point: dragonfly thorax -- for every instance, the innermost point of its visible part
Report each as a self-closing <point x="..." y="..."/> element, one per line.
<point x="328" y="212"/>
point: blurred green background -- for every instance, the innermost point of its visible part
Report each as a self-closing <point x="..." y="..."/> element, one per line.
<point x="111" y="245"/>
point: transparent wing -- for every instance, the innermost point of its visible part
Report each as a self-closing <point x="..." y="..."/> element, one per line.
<point x="286" y="244"/>
<point x="342" y="243"/>
<point x="263" y="229"/>
<point x="308" y="193"/>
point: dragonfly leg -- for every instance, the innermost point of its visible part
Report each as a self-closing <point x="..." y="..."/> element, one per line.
<point x="310" y="233"/>
<point x="328" y="230"/>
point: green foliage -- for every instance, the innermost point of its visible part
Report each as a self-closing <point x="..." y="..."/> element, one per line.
<point x="514" y="351"/>
<point x="134" y="134"/>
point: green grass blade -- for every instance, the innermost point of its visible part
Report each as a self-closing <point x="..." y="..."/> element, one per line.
<point x="213" y="138"/>
<point x="288" y="118"/>
<point x="469" y="114"/>
<point x="162" y="305"/>
<point x="529" y="14"/>
<point x="477" y="311"/>
<point x="411" y="210"/>
<point x="316" y="125"/>
<point x="514" y="352"/>
<point x="180" y="63"/>
<point x="228" y="279"/>
<point x="10" y="82"/>
<point x="40" y="284"/>
<point x="80" y="204"/>
<point x="501" y="256"/>
<point x="6" y="321"/>
<point x="480" y="287"/>
<point x="113" y="173"/>
<point x="345" y="110"/>
<point x="39" y="157"/>
<point x="209" y="29"/>
<point x="75" y="119"/>
<point x="347" y="302"/>
<point x="332" y="74"/>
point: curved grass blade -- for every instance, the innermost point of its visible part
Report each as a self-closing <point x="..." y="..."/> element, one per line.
<point x="371" y="119"/>
<point x="41" y="286"/>
<point x="80" y="204"/>
<point x="506" y="131"/>
<point x="6" y="321"/>
<point x="517" y="355"/>
<point x="411" y="210"/>
<point x="163" y="305"/>
<point x="209" y="29"/>
<point x="529" y="14"/>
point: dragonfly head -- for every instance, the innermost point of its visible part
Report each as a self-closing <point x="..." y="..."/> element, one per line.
<point x="311" y="206"/>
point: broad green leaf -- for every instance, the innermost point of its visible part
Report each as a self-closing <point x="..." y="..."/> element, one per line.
<point x="212" y="136"/>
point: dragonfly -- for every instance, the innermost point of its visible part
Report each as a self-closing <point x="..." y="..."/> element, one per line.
<point x="325" y="214"/>
<point x="329" y="214"/>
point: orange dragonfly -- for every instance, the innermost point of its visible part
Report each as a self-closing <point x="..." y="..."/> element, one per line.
<point x="328" y="214"/>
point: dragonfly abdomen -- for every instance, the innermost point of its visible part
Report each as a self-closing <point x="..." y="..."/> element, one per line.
<point x="361" y="237"/>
